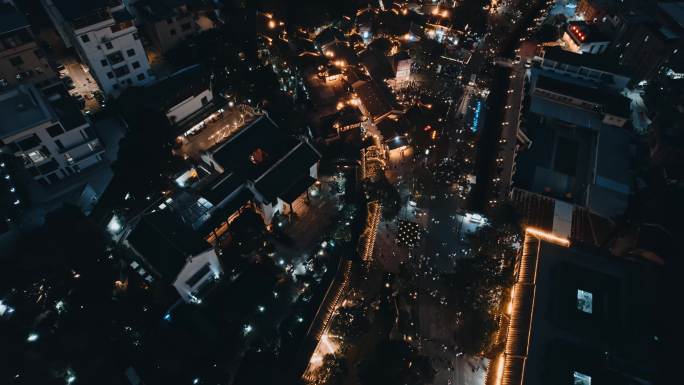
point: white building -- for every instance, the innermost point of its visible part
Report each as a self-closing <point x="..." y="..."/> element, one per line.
<point x="48" y="133"/>
<point x="199" y="271"/>
<point x="106" y="39"/>
<point x="169" y="247"/>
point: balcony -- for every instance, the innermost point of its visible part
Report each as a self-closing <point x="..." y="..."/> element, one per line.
<point x="82" y="151"/>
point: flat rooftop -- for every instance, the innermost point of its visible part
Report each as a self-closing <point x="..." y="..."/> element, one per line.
<point x="78" y="9"/>
<point x="21" y="108"/>
<point x="605" y="62"/>
<point x="11" y="19"/>
<point x="612" y="103"/>
<point x="578" y="314"/>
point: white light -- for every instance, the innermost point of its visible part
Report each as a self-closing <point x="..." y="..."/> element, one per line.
<point x="195" y="381"/>
<point x="261" y="309"/>
<point x="231" y="104"/>
<point x="71" y="376"/>
<point x="114" y="225"/>
<point x="247" y="329"/>
<point x="32" y="337"/>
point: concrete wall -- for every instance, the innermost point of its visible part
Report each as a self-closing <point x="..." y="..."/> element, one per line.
<point x="188" y="106"/>
<point x="193" y="265"/>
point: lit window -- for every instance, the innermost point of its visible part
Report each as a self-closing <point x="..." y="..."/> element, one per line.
<point x="581" y="379"/>
<point x="584" y="301"/>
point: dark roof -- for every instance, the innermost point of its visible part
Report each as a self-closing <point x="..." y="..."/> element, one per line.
<point x="262" y="134"/>
<point x="674" y="10"/>
<point x="612" y="103"/>
<point x="11" y="19"/>
<point x="342" y="51"/>
<point x="328" y="35"/>
<point x="76" y="9"/>
<point x="606" y="62"/>
<point x="158" y="10"/>
<point x="373" y="98"/>
<point x="288" y="172"/>
<point x="392" y="127"/>
<point x="550" y="339"/>
<point x="226" y="209"/>
<point x="167" y="92"/>
<point x="64" y="106"/>
<point x="227" y="184"/>
<point x="20" y="108"/>
<point x="538" y="210"/>
<point x="122" y="15"/>
<point x="377" y="64"/>
<point x="297" y="188"/>
<point x="591" y="33"/>
<point x="348" y="116"/>
<point x="165" y="241"/>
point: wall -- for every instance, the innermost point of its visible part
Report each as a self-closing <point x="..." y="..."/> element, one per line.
<point x="193" y="265"/>
<point x="188" y="106"/>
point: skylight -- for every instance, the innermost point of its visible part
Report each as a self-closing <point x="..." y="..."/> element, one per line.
<point x="584" y="302"/>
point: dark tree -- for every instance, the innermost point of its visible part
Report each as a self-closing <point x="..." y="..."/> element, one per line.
<point x="395" y="362"/>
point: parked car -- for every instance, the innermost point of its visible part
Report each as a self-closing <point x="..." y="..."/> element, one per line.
<point x="80" y="100"/>
<point x="99" y="96"/>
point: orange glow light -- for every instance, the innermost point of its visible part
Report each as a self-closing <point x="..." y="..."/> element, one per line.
<point x="547" y="236"/>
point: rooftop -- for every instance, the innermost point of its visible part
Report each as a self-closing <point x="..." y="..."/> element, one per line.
<point x="614" y="104"/>
<point x="373" y="98"/>
<point x="64" y="106"/>
<point x="165" y="241"/>
<point x="675" y="11"/>
<point x="579" y="224"/>
<point x="291" y="172"/>
<point x="171" y="90"/>
<point x="603" y="62"/>
<point x="21" y="108"/>
<point x="73" y="10"/>
<point x="584" y="33"/>
<point x="577" y="313"/>
<point x="11" y="19"/>
<point x="159" y="10"/>
<point x="254" y="149"/>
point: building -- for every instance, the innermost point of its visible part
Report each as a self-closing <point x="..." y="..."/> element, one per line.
<point x="603" y="69"/>
<point x="402" y="64"/>
<point x="48" y="133"/>
<point x="646" y="43"/>
<point x="612" y="108"/>
<point x="595" y="10"/>
<point x="103" y="34"/>
<point x="21" y="60"/>
<point x="585" y="38"/>
<point x="166" y="22"/>
<point x="184" y="98"/>
<point x="579" y="316"/>
<point x="169" y="248"/>
<point x="273" y="166"/>
<point x="375" y="102"/>
<point x="576" y="223"/>
<point x="580" y="151"/>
